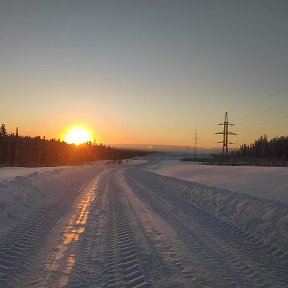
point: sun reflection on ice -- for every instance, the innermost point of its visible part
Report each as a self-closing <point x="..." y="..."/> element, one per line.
<point x="70" y="263"/>
<point x="74" y="235"/>
<point x="64" y="257"/>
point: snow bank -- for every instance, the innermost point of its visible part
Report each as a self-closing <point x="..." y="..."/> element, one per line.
<point x="266" y="182"/>
<point x="264" y="220"/>
<point x="23" y="195"/>
<point x="17" y="199"/>
<point x="9" y="173"/>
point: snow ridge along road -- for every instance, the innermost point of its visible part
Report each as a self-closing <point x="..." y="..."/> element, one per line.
<point x="132" y="228"/>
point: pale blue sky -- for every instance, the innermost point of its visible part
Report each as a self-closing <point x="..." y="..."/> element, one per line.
<point x="144" y="71"/>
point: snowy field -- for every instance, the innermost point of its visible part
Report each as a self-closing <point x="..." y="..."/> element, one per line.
<point x="266" y="182"/>
<point x="124" y="225"/>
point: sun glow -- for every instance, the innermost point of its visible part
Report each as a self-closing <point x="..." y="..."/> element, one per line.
<point x="77" y="136"/>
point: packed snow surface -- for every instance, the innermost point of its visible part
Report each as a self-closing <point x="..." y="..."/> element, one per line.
<point x="102" y="225"/>
<point x="266" y="182"/>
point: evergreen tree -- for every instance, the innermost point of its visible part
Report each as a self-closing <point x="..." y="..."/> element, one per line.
<point x="3" y="131"/>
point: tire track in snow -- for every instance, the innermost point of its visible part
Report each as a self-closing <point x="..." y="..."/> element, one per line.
<point x="63" y="260"/>
<point x="166" y="261"/>
<point x="87" y="270"/>
<point x="145" y="230"/>
<point x="124" y="263"/>
<point x="235" y="257"/>
<point x="29" y="241"/>
<point x="26" y="239"/>
<point x="109" y="253"/>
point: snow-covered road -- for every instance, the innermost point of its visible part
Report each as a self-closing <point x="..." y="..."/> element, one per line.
<point x="123" y="226"/>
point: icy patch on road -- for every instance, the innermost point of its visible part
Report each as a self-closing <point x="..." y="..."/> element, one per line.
<point x="64" y="258"/>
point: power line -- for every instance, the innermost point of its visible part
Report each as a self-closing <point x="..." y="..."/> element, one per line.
<point x="263" y="122"/>
<point x="263" y="111"/>
<point x="257" y="101"/>
<point x="266" y="118"/>
<point x="276" y="127"/>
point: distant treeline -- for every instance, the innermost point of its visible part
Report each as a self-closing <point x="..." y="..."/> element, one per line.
<point x="264" y="152"/>
<point x="28" y="151"/>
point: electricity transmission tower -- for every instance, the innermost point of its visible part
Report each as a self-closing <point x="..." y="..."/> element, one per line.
<point x="195" y="144"/>
<point x="225" y="134"/>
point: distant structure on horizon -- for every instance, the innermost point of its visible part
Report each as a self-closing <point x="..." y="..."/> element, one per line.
<point x="195" y="144"/>
<point x="225" y="134"/>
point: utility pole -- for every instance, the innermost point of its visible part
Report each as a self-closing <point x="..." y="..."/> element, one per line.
<point x="225" y="134"/>
<point x="195" y="144"/>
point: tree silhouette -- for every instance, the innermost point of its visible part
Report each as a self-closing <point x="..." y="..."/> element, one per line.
<point x="265" y="152"/>
<point x="3" y="131"/>
<point x="28" y="151"/>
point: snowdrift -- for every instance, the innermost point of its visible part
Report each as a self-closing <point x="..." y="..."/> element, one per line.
<point x="264" y="182"/>
<point x="18" y="198"/>
<point x="264" y="220"/>
<point x="23" y="196"/>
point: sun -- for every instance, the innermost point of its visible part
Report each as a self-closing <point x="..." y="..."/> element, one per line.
<point x="77" y="136"/>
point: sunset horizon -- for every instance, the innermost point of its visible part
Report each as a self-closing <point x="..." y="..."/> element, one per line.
<point x="145" y="72"/>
